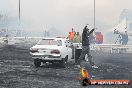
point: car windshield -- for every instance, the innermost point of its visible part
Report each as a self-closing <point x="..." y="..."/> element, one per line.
<point x="50" y="42"/>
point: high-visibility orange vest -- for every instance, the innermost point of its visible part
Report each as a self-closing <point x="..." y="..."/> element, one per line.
<point x="71" y="36"/>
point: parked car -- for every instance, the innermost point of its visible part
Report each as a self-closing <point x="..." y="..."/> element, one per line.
<point x="52" y="50"/>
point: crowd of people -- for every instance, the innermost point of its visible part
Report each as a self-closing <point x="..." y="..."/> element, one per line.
<point x="74" y="36"/>
<point x="122" y="37"/>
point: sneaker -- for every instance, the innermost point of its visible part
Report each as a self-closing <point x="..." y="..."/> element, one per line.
<point x="95" y="67"/>
<point x="78" y="66"/>
<point x="93" y="76"/>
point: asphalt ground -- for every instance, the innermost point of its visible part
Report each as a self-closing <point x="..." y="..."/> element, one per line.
<point x="18" y="71"/>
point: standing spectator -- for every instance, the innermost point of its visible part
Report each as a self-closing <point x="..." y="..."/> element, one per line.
<point x="86" y="47"/>
<point x="71" y="35"/>
<point x="77" y="38"/>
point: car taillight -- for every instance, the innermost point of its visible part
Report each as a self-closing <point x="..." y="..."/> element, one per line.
<point x="55" y="52"/>
<point x="34" y="50"/>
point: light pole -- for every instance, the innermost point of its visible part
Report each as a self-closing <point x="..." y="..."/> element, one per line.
<point x="94" y="14"/>
<point x="20" y="18"/>
<point x="19" y="11"/>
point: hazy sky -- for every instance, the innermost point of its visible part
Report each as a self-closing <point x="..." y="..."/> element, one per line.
<point x="65" y="14"/>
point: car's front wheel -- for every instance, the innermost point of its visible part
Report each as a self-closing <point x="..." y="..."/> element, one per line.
<point x="37" y="62"/>
<point x="64" y="61"/>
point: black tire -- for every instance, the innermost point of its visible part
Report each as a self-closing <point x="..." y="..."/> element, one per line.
<point x="64" y="61"/>
<point x="37" y="62"/>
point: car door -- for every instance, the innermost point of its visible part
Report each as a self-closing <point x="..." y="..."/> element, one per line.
<point x="69" y="50"/>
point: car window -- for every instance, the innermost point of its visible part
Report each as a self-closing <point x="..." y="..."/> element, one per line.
<point x="50" y="42"/>
<point x="69" y="43"/>
<point x="59" y="42"/>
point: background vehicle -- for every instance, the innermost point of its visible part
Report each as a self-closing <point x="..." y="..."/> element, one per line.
<point x="52" y="50"/>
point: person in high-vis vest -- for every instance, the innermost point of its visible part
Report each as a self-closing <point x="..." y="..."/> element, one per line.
<point x="77" y="38"/>
<point x="71" y="35"/>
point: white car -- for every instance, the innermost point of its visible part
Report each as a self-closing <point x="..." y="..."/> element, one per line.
<point x="52" y="50"/>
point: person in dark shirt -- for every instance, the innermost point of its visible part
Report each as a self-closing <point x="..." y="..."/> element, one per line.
<point x="86" y="46"/>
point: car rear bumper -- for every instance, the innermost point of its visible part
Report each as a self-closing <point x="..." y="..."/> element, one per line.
<point x="48" y="58"/>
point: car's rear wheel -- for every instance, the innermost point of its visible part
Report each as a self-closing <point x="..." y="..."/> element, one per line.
<point x="37" y="62"/>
